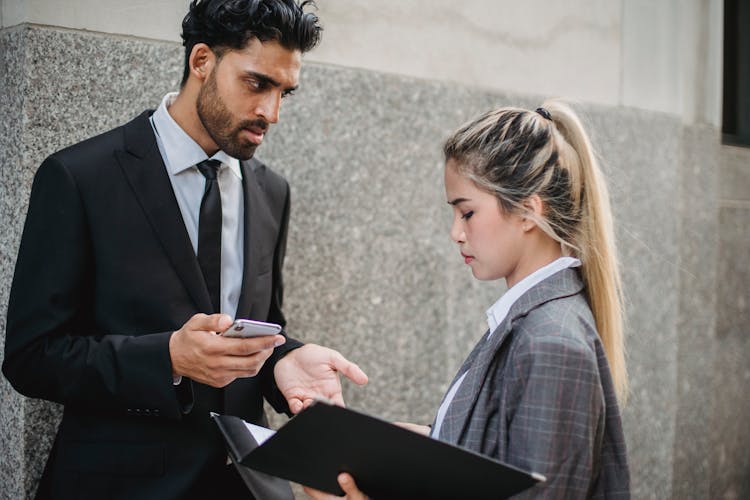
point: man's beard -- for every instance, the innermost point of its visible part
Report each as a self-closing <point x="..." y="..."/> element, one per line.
<point x="217" y="120"/>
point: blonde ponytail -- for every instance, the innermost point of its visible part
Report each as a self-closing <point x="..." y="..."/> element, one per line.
<point x="595" y="240"/>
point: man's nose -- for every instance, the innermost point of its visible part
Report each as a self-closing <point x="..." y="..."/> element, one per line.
<point x="268" y="107"/>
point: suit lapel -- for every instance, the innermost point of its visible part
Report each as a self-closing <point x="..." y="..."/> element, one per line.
<point x="257" y="218"/>
<point x="458" y="415"/>
<point x="143" y="166"/>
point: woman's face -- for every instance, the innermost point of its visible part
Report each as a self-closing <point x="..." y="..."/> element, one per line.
<point x="491" y="242"/>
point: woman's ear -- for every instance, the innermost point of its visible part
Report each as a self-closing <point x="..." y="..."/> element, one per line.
<point x="533" y="211"/>
<point x="201" y="61"/>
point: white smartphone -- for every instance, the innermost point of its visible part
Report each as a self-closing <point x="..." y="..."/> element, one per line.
<point x="244" y="328"/>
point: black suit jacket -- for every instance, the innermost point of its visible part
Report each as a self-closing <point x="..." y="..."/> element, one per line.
<point x="105" y="273"/>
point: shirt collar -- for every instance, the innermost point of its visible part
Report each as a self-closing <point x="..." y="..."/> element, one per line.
<point x="499" y="310"/>
<point x="181" y="150"/>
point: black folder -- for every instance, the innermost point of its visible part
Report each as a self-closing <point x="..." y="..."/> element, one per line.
<point x="386" y="461"/>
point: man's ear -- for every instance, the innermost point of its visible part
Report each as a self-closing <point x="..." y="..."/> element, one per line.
<point x="533" y="211"/>
<point x="201" y="61"/>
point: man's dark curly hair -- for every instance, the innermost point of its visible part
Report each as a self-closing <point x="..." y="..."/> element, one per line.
<point x="231" y="24"/>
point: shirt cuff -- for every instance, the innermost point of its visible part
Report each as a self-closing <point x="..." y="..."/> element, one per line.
<point x="177" y="380"/>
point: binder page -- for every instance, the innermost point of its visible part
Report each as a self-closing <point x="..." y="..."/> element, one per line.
<point x="260" y="433"/>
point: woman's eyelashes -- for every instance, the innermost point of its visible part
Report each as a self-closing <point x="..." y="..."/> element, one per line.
<point x="467" y="215"/>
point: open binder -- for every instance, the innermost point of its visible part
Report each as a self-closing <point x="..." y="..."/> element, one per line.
<point x="386" y="461"/>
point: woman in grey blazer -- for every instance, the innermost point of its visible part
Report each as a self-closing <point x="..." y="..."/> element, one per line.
<point x="542" y="387"/>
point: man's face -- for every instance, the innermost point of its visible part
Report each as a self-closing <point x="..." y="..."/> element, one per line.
<point x="242" y="95"/>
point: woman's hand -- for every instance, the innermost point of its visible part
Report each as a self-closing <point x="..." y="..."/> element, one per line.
<point x="346" y="481"/>
<point x="419" y="429"/>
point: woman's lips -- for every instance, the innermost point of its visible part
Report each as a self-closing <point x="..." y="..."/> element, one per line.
<point x="467" y="258"/>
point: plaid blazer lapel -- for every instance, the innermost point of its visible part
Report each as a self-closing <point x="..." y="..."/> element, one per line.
<point x="470" y="359"/>
<point x="476" y="366"/>
<point x="464" y="367"/>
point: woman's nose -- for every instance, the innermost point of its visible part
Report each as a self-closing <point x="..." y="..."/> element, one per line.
<point x="458" y="234"/>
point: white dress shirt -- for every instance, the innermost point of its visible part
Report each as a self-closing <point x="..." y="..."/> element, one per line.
<point x="181" y="154"/>
<point x="497" y="313"/>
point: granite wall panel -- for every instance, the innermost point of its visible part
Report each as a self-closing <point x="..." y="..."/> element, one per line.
<point x="14" y="182"/>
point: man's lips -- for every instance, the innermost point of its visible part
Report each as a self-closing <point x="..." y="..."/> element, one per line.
<point x="255" y="134"/>
<point x="467" y="258"/>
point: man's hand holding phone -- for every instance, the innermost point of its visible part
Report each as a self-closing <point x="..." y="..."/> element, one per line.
<point x="199" y="353"/>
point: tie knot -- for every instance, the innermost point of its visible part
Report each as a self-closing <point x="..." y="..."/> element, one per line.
<point x="209" y="168"/>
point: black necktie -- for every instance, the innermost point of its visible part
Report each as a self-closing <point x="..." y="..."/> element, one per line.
<point x="209" y="232"/>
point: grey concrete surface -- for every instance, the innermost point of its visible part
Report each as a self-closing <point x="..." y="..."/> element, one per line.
<point x="699" y="176"/>
<point x="371" y="270"/>
<point x="640" y="153"/>
<point x="730" y="467"/>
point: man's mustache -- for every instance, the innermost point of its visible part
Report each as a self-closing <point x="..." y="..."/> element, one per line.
<point x="257" y="123"/>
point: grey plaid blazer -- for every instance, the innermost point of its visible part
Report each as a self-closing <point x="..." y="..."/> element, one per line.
<point x="538" y="394"/>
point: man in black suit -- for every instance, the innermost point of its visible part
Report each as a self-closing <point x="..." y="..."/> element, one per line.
<point x="135" y="241"/>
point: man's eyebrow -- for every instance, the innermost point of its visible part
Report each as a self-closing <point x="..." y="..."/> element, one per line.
<point x="457" y="201"/>
<point x="268" y="80"/>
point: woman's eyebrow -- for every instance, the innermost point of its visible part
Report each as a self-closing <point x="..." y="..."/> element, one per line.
<point x="457" y="201"/>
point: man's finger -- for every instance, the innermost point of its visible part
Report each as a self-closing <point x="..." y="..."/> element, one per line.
<point x="211" y="323"/>
<point x="337" y="399"/>
<point x="348" y="369"/>
<point x="245" y="364"/>
<point x="295" y="405"/>
<point x="248" y="346"/>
